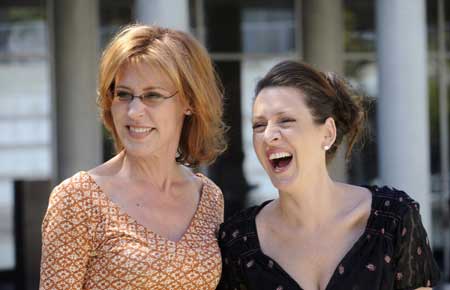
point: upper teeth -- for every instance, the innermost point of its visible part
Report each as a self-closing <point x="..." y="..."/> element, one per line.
<point x="140" y="130"/>
<point x="279" y="155"/>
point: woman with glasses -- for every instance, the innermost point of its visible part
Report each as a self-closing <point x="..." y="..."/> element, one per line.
<point x="143" y="220"/>
<point x="319" y="234"/>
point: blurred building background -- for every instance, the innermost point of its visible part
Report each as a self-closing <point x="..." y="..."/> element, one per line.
<point x="397" y="52"/>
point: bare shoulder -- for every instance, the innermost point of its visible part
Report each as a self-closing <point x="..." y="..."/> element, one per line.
<point x="359" y="194"/>
<point x="108" y="168"/>
<point x="356" y="204"/>
<point x="355" y="189"/>
<point x="106" y="172"/>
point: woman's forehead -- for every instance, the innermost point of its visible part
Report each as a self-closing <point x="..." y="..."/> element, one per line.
<point x="278" y="100"/>
<point x="144" y="73"/>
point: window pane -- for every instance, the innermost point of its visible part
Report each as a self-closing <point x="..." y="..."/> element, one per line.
<point x="246" y="26"/>
<point x="359" y="25"/>
<point x="267" y="30"/>
<point x="113" y="16"/>
<point x="364" y="160"/>
<point x="432" y="24"/>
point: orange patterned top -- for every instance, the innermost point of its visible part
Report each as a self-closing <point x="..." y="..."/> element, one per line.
<point x="89" y="243"/>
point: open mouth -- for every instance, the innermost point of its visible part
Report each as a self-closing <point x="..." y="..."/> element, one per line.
<point x="280" y="161"/>
<point x="139" y="129"/>
<point x="139" y="132"/>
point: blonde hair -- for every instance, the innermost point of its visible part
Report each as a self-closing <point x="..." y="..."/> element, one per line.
<point x="189" y="67"/>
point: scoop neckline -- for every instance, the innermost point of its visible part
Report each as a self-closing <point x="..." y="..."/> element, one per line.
<point x="345" y="257"/>
<point x="147" y="230"/>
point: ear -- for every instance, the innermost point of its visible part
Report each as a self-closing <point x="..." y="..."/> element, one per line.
<point x="329" y="135"/>
<point x="188" y="110"/>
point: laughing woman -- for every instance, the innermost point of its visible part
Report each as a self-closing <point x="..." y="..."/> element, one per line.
<point x="319" y="233"/>
<point x="143" y="220"/>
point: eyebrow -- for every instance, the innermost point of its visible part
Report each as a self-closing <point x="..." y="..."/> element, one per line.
<point x="144" y="89"/>
<point x="276" y="114"/>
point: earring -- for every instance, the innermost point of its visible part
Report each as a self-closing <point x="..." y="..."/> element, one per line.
<point x="188" y="112"/>
<point x="326" y="147"/>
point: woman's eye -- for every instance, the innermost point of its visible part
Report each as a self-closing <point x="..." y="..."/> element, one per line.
<point x="124" y="96"/>
<point x="287" y="120"/>
<point x="257" y="126"/>
<point x="152" y="96"/>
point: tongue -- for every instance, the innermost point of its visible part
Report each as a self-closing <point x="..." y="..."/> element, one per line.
<point x="284" y="161"/>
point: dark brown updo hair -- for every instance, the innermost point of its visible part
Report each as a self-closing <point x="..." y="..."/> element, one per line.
<point x="326" y="95"/>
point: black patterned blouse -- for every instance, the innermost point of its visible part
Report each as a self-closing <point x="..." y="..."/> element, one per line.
<point x="392" y="253"/>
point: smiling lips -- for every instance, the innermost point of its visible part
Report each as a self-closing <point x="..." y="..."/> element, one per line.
<point x="279" y="160"/>
<point x="139" y="132"/>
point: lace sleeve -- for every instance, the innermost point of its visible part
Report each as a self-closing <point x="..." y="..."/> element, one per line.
<point x="415" y="266"/>
<point x="230" y="278"/>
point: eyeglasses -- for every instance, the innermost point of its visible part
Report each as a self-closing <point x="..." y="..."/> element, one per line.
<point x="149" y="99"/>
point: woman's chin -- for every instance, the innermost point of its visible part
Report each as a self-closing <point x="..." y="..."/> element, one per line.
<point x="282" y="183"/>
<point x="138" y="150"/>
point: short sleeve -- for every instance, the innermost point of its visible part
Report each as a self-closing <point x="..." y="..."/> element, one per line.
<point x="237" y="240"/>
<point x="215" y="201"/>
<point x="221" y="205"/>
<point x="415" y="266"/>
<point x="230" y="278"/>
<point x="66" y="242"/>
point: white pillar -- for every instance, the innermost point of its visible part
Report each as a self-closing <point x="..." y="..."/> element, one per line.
<point x="167" y="13"/>
<point x="403" y="135"/>
<point x="324" y="48"/>
<point x="74" y="45"/>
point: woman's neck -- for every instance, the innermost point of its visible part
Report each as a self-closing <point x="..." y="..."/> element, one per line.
<point x="312" y="202"/>
<point x="160" y="173"/>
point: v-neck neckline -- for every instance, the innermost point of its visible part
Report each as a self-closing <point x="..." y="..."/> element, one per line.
<point x="147" y="229"/>
<point x="345" y="257"/>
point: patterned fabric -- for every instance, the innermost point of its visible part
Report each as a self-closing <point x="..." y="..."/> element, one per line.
<point x="392" y="253"/>
<point x="89" y="243"/>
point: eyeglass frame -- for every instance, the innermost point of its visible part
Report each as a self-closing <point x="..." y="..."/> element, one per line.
<point x="141" y="97"/>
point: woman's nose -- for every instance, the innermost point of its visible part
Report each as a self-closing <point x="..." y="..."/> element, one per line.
<point x="136" y="109"/>
<point x="272" y="134"/>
